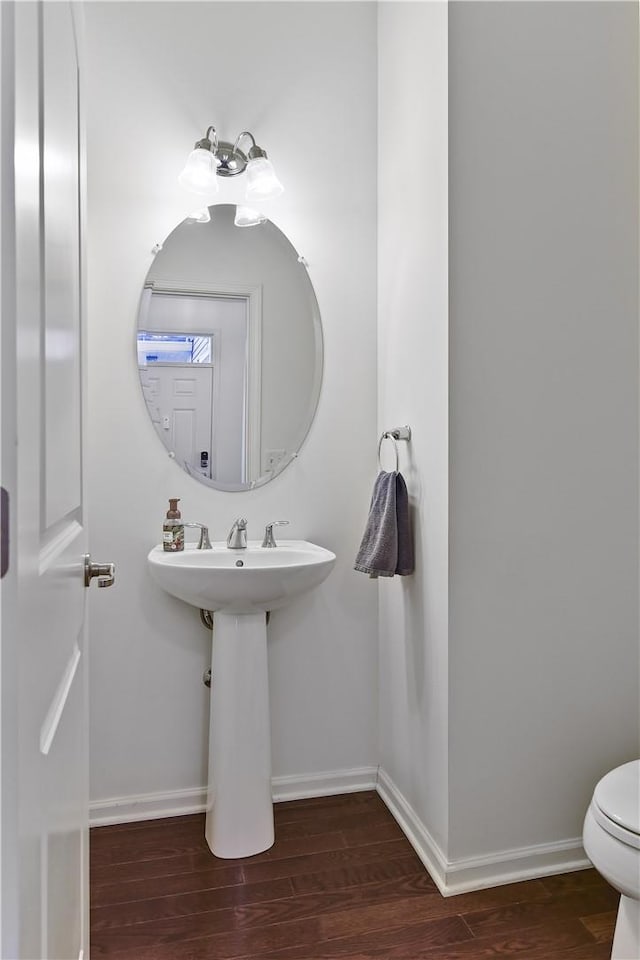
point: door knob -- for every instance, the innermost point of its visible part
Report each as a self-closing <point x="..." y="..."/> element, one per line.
<point x="105" y="572"/>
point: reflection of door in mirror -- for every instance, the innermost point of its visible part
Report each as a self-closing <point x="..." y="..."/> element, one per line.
<point x="179" y="401"/>
<point x="196" y="384"/>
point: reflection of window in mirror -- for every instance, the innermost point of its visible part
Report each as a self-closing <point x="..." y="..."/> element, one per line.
<point x="173" y="348"/>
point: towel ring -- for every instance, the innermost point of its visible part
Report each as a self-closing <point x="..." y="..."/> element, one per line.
<point x="398" y="433"/>
<point x="388" y="436"/>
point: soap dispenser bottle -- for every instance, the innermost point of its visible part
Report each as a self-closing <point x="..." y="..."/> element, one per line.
<point x="173" y="528"/>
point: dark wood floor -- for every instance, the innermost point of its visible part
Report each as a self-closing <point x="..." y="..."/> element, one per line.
<point x="341" y="881"/>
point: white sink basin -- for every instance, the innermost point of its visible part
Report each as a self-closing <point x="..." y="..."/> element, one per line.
<point x="241" y="581"/>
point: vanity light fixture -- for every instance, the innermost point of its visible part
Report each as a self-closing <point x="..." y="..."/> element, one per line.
<point x="212" y="158"/>
<point x="246" y="217"/>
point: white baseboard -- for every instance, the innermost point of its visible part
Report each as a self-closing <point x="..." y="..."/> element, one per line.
<point x="451" y="877"/>
<point x="153" y="806"/>
<point x="326" y="784"/>
<point x="147" y="806"/>
<point x="414" y="830"/>
<point x="476" y="873"/>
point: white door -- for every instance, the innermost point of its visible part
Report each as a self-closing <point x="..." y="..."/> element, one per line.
<point x="179" y="400"/>
<point x="48" y="720"/>
<point x="8" y="580"/>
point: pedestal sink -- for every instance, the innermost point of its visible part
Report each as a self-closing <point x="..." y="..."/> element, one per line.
<point x="240" y="586"/>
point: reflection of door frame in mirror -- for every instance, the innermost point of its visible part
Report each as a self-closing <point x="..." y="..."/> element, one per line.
<point x="252" y="293"/>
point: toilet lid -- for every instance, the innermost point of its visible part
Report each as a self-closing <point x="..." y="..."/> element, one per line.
<point x="618" y="796"/>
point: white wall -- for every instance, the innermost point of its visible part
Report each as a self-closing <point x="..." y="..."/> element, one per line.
<point x="413" y="389"/>
<point x="302" y="77"/>
<point x="509" y="662"/>
<point x="544" y="415"/>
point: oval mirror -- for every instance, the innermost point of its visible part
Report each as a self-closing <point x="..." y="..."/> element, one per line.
<point x="229" y="348"/>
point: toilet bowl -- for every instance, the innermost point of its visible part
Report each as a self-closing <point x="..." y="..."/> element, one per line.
<point x="611" y="839"/>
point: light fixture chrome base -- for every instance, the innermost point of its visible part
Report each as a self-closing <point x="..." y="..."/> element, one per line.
<point x="232" y="160"/>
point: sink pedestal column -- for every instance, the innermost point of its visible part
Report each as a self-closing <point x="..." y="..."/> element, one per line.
<point x="239" y="819"/>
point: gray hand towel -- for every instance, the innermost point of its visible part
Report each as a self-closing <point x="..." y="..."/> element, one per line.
<point x="386" y="547"/>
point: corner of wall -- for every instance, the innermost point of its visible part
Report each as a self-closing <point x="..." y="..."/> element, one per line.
<point x="413" y="389"/>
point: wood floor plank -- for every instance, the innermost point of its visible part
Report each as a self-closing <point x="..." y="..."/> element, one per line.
<point x="343" y="800"/>
<point x="176" y="928"/>
<point x="379" y="897"/>
<point x="409" y="940"/>
<point x="358" y="835"/>
<point x="147" y="869"/>
<point x="225" y="946"/>
<point x="361" y="874"/>
<point x="587" y="951"/>
<point x="307" y="864"/>
<point x="397" y="914"/>
<point x="322" y="807"/>
<point x="429" y="906"/>
<point x="187" y="904"/>
<point x="513" y="917"/>
<point x="204" y="860"/>
<point x="601" y="925"/>
<point x="276" y="941"/>
<point x="114" y="836"/>
<point x="148" y="843"/>
<point x="573" y="882"/>
<point x="597" y="951"/>
<point x="126" y="891"/>
<point x="338" y="820"/>
<point x="171" y="847"/>
<point x="314" y="863"/>
<point x="411" y="943"/>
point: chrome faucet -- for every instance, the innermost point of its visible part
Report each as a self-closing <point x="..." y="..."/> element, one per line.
<point x="203" y="543"/>
<point x="269" y="539"/>
<point x="237" y="539"/>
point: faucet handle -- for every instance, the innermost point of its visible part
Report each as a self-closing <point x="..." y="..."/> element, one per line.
<point x="204" y="542"/>
<point x="269" y="539"/>
<point x="237" y="539"/>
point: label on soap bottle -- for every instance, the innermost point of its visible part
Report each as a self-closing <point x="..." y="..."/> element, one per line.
<point x="173" y="539"/>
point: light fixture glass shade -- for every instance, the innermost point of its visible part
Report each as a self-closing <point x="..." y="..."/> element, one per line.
<point x="200" y="216"/>
<point x="262" y="183"/>
<point x="199" y="174"/>
<point x="246" y="217"/>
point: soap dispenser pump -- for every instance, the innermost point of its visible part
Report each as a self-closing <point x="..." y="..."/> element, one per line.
<point x="173" y="528"/>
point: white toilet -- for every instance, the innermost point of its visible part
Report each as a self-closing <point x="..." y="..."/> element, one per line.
<point x="611" y="838"/>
